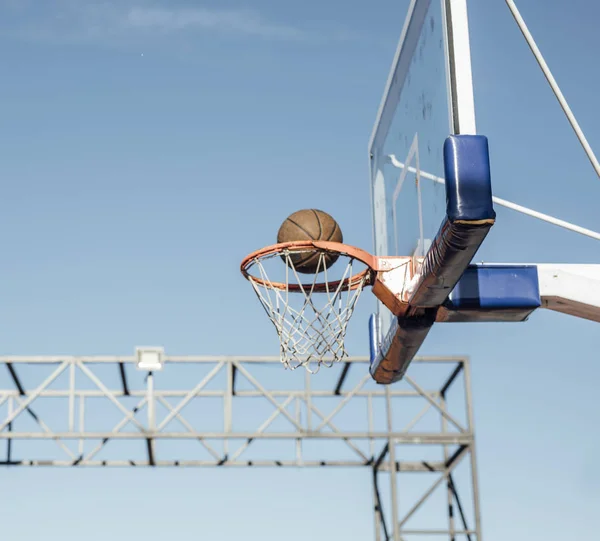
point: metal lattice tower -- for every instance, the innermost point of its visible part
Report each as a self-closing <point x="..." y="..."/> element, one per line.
<point x="101" y="411"/>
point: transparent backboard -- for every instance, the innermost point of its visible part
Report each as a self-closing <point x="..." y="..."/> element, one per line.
<point x="428" y="96"/>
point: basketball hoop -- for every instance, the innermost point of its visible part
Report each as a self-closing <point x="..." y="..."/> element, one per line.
<point x="311" y="312"/>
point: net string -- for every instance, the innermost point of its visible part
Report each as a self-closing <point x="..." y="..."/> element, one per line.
<point x="311" y="325"/>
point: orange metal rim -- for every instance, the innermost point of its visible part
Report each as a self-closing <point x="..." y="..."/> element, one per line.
<point x="352" y="252"/>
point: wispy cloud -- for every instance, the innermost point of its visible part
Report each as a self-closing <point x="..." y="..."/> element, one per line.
<point x="237" y="21"/>
<point x="94" y="20"/>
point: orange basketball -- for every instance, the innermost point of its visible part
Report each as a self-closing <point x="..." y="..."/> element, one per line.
<point x="310" y="224"/>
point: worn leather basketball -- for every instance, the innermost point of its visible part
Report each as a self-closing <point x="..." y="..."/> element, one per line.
<point x="310" y="224"/>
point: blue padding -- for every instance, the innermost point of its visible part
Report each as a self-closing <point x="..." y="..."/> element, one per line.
<point x="450" y="253"/>
<point x="501" y="315"/>
<point x="374" y="338"/>
<point x="469" y="217"/>
<point x="405" y="337"/>
<point x="468" y="179"/>
<point x="493" y="293"/>
<point x="497" y="287"/>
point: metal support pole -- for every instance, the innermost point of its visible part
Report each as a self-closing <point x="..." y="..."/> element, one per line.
<point x="392" y="467"/>
<point x="72" y="397"/>
<point x="471" y="428"/>
<point x="81" y="444"/>
<point x="151" y="418"/>
<point x="9" y="442"/>
<point x="299" y="422"/>
<point x="227" y="408"/>
<point x="370" y="425"/>
<point x="450" y="496"/>
<point x="308" y="401"/>
<point x="376" y="509"/>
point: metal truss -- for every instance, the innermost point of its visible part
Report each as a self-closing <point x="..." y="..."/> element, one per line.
<point x="242" y="411"/>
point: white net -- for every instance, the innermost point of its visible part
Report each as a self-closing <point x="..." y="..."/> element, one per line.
<point x="310" y="315"/>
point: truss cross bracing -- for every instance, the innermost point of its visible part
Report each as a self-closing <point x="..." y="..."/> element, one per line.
<point x="242" y="411"/>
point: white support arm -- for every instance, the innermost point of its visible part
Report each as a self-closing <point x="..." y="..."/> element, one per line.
<point x="571" y="289"/>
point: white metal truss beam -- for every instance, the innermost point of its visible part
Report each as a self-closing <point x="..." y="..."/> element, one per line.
<point x="101" y="411"/>
<point x="84" y="384"/>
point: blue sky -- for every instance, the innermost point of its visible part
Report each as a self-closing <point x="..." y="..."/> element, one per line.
<point x="148" y="146"/>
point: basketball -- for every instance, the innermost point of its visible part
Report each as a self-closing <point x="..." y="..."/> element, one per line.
<point x="310" y="224"/>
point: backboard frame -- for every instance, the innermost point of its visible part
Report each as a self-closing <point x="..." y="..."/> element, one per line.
<point x="459" y="77"/>
<point x="461" y="114"/>
<point x="458" y="64"/>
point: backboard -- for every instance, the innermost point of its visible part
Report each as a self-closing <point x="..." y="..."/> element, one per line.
<point x="428" y="96"/>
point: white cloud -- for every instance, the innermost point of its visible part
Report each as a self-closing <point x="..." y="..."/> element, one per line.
<point x="236" y="21"/>
<point x="95" y="20"/>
